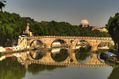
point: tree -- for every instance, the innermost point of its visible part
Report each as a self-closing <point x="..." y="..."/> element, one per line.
<point x="2" y="4"/>
<point x="12" y="25"/>
<point x="113" y="27"/>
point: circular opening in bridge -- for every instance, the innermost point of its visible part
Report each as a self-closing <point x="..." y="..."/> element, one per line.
<point x="105" y="45"/>
<point x="36" y="44"/>
<point x="82" y="57"/>
<point x="60" y="56"/>
<point x="58" y="43"/>
<point x="72" y="41"/>
<point x="83" y="45"/>
<point x="36" y="55"/>
<point x="71" y="60"/>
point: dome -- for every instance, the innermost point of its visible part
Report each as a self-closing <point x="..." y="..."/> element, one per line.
<point x="84" y="22"/>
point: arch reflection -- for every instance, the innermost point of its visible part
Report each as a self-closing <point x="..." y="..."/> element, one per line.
<point x="59" y="55"/>
<point x="82" y="56"/>
<point x="38" y="54"/>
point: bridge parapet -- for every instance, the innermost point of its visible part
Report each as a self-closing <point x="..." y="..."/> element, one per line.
<point x="72" y="37"/>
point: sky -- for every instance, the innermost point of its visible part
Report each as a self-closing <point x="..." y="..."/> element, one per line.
<point x="97" y="12"/>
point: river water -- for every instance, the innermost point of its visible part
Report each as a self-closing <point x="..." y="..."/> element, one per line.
<point x="16" y="66"/>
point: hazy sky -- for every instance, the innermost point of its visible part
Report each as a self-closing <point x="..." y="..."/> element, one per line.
<point x="97" y="12"/>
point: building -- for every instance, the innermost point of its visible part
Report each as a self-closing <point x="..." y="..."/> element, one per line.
<point x="84" y="23"/>
<point x="101" y="29"/>
<point x="95" y="28"/>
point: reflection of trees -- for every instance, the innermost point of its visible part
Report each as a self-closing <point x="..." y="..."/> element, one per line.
<point x="11" y="69"/>
<point x="36" y="68"/>
<point x="37" y="54"/>
<point x="60" y="56"/>
<point x="86" y="49"/>
<point x="114" y="74"/>
<point x="81" y="55"/>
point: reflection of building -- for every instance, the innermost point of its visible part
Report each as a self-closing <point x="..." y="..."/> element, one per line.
<point x="101" y="29"/>
<point x="84" y="23"/>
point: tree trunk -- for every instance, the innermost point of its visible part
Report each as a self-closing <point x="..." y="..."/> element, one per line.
<point x="117" y="47"/>
<point x="1" y="10"/>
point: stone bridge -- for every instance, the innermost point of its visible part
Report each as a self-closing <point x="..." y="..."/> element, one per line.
<point x="70" y="41"/>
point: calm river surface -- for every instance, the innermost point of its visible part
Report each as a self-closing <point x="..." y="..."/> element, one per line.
<point x="17" y="66"/>
<point x="74" y="73"/>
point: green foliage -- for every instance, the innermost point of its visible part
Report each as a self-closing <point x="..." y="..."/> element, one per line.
<point x="114" y="74"/>
<point x="113" y="27"/>
<point x="2" y="4"/>
<point x="101" y="50"/>
<point x="12" y="25"/>
<point x="61" y="56"/>
<point x="36" y="68"/>
<point x="81" y="55"/>
<point x="11" y="69"/>
<point x="112" y="48"/>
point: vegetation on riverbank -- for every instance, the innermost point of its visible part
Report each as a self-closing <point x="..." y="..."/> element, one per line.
<point x="12" y="25"/>
<point x="113" y="27"/>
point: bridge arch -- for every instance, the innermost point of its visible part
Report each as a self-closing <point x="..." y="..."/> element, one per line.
<point x="105" y="45"/>
<point x="58" y="43"/>
<point x="83" y="44"/>
<point x="36" y="44"/>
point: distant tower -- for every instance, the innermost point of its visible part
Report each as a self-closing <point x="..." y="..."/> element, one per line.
<point x="84" y="23"/>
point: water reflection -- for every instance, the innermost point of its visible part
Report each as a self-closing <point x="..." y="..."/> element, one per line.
<point x="37" y="54"/>
<point x="16" y="65"/>
<point x="83" y="56"/>
<point x="59" y="55"/>
<point x="11" y="69"/>
<point x="36" y="68"/>
<point x="114" y="74"/>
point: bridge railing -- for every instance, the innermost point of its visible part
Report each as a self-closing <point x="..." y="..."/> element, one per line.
<point x="72" y="37"/>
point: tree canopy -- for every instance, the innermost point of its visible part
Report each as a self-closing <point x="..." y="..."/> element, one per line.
<point x="12" y="25"/>
<point x="2" y="4"/>
<point x="113" y="27"/>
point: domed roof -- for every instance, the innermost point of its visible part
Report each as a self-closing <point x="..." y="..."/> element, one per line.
<point x="84" y="22"/>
